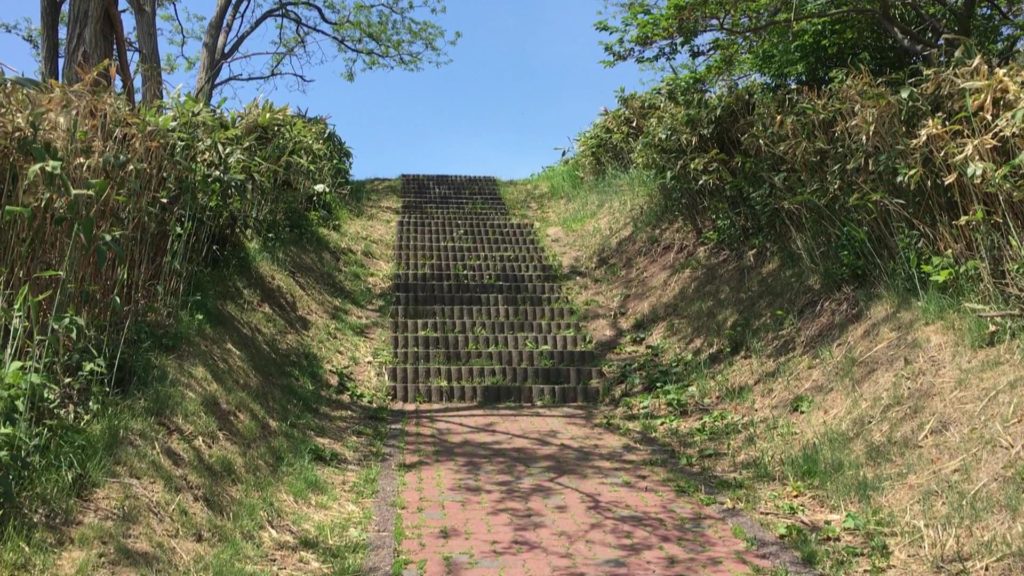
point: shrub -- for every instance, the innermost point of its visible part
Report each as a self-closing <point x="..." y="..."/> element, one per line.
<point x="106" y="215"/>
<point x="865" y="175"/>
<point x="610" y="144"/>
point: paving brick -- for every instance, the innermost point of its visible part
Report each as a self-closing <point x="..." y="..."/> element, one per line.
<point x="526" y="505"/>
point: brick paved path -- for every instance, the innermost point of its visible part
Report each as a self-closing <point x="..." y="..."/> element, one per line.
<point x="541" y="491"/>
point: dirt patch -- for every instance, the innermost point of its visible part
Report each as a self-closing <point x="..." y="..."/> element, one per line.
<point x="381" y="555"/>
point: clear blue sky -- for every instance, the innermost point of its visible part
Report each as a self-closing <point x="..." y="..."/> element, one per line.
<point x="525" y="78"/>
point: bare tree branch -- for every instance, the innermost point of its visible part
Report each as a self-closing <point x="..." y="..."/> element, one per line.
<point x="384" y="34"/>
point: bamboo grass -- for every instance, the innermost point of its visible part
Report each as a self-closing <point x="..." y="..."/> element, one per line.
<point x="107" y="214"/>
<point x="917" y="180"/>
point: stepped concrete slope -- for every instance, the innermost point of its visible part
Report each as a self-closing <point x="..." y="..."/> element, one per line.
<point x="479" y="313"/>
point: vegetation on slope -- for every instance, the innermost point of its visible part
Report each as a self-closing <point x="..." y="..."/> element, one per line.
<point x="871" y="428"/>
<point x="813" y="295"/>
<point x="253" y="438"/>
<point x="109" y="217"/>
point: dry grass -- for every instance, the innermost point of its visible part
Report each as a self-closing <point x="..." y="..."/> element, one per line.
<point x="809" y="404"/>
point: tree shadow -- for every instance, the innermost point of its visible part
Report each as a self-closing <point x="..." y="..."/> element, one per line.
<point x="522" y="476"/>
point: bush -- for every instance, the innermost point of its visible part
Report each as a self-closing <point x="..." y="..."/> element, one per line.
<point x="610" y="144"/>
<point x="864" y="176"/>
<point x="106" y="215"/>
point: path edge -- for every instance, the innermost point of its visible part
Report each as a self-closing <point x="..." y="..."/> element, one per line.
<point x="777" y="552"/>
<point x="381" y="547"/>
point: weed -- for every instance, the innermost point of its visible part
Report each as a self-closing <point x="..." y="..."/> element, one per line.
<point x="740" y="534"/>
<point x="801" y="404"/>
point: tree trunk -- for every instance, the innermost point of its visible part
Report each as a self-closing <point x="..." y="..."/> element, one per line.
<point x="121" y="43"/>
<point x="149" y="50"/>
<point x="965" y="20"/>
<point x="213" y="47"/>
<point x="90" y="41"/>
<point x="49" y="38"/>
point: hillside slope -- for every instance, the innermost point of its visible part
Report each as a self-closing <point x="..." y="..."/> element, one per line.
<point x="256" y="441"/>
<point x="872" y="432"/>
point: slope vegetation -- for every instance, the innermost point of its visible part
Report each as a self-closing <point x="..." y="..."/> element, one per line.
<point x="872" y="431"/>
<point x="255" y="442"/>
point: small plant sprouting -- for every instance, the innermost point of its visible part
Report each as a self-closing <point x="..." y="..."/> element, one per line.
<point x="801" y="404"/>
<point x="587" y="343"/>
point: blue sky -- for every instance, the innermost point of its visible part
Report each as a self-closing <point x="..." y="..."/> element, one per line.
<point x="525" y="78"/>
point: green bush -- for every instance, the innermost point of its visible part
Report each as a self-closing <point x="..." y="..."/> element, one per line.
<point x="610" y="144"/>
<point x="863" y="177"/>
<point x="106" y="215"/>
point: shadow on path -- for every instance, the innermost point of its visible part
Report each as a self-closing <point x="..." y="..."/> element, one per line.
<point x="544" y="491"/>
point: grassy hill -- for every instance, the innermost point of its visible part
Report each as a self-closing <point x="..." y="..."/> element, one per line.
<point x="253" y="438"/>
<point x="873" y="430"/>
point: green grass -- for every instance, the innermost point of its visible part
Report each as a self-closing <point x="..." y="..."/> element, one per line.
<point x="572" y="203"/>
<point x="826" y="462"/>
<point x="236" y="421"/>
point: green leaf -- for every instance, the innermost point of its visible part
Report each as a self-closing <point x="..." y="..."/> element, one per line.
<point x="101" y="256"/>
<point x="16" y="211"/>
<point x="49" y="166"/>
<point x="87" y="225"/>
<point x="854" y="521"/>
<point x="49" y="274"/>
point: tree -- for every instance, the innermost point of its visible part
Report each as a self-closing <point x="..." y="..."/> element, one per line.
<point x="94" y="29"/>
<point x="90" y="39"/>
<point x="91" y="28"/>
<point x="148" y="45"/>
<point x="801" y="41"/>
<point x="382" y="34"/>
<point x="49" y="38"/>
<point x="241" y="41"/>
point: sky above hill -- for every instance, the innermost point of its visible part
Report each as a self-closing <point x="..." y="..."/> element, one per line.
<point x="525" y="78"/>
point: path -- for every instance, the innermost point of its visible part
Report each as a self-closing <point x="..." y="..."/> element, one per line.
<point x="480" y="317"/>
<point x="541" y="491"/>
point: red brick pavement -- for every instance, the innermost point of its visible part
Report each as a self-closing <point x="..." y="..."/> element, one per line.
<point x="542" y="491"/>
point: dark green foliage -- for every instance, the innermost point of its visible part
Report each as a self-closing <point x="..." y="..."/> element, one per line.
<point x="810" y="53"/>
<point x="805" y="41"/>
